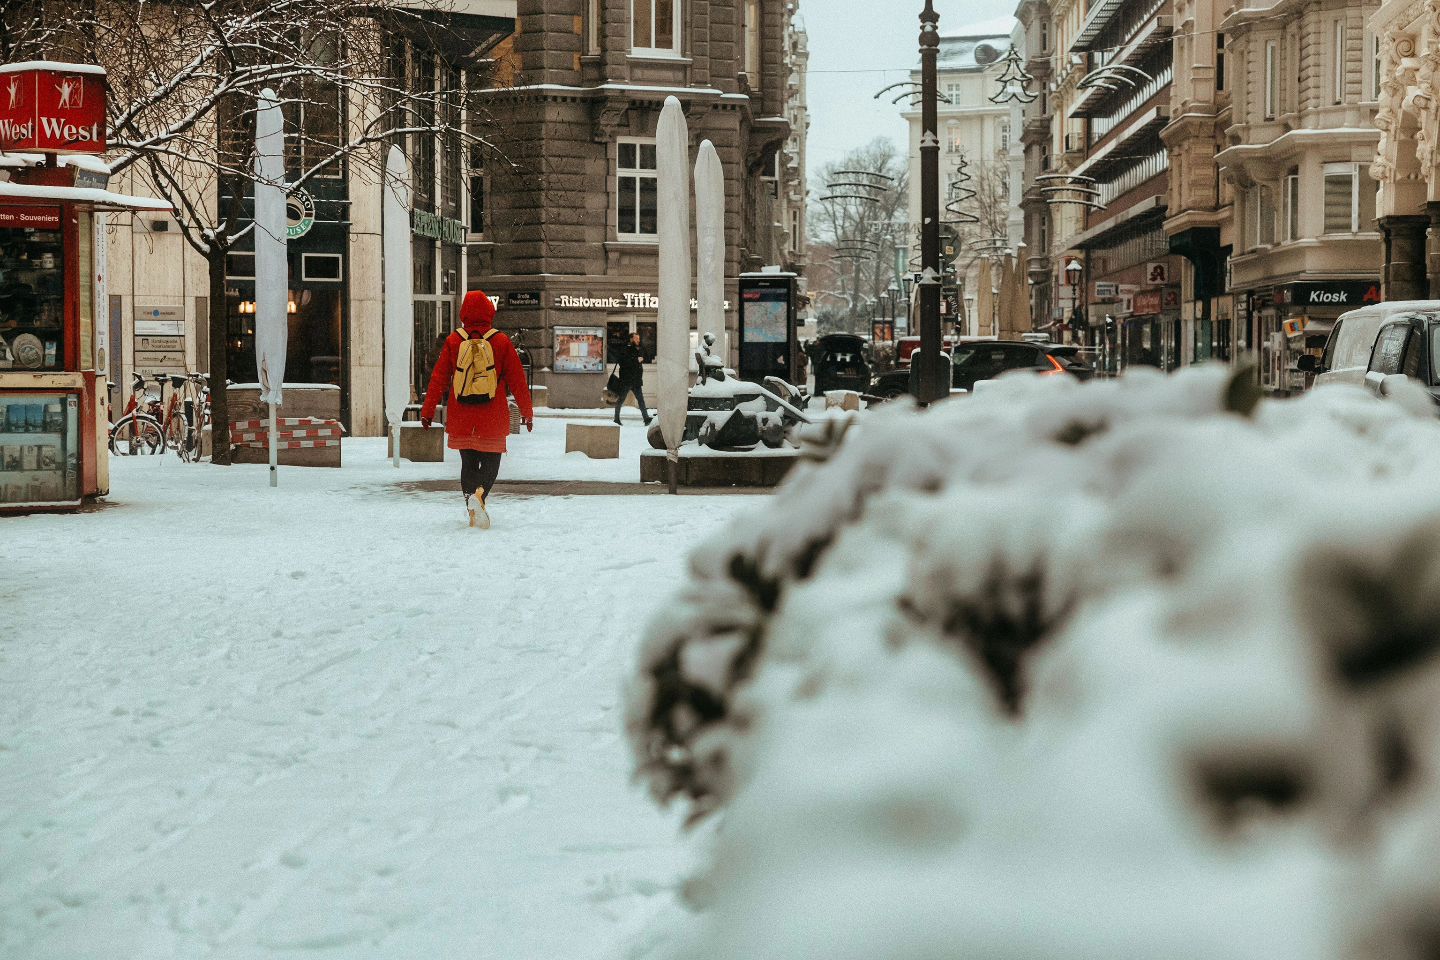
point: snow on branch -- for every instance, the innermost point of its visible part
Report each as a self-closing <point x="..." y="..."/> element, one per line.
<point x="1120" y="671"/>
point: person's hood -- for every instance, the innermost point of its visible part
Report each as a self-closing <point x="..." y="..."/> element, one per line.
<point x="477" y="313"/>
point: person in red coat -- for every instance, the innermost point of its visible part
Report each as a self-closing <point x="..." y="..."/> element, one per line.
<point x="478" y="431"/>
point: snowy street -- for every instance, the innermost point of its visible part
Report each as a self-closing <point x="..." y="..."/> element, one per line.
<point x="372" y="734"/>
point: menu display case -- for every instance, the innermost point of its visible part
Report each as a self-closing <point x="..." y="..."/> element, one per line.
<point x="39" y="449"/>
<point x="32" y="299"/>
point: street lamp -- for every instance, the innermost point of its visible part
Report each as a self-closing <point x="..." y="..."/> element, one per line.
<point x="931" y="378"/>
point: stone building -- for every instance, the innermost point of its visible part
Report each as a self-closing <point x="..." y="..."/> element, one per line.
<point x="1404" y="41"/>
<point x="568" y="240"/>
<point x="159" y="287"/>
<point x="1199" y="217"/>
<point x="1037" y="159"/>
<point x="1301" y="140"/>
<point x="975" y="135"/>
<point x="1129" y="274"/>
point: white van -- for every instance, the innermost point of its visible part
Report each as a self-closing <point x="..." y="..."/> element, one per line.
<point x="1347" y="352"/>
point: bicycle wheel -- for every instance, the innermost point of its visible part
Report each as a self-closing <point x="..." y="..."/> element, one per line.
<point x="136" y="434"/>
<point x="175" y="434"/>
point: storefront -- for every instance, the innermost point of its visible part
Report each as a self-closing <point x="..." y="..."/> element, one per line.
<point x="1292" y="319"/>
<point x="54" y="355"/>
<point x="574" y="333"/>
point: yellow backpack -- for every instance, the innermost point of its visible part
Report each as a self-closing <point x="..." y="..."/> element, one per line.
<point x="476" y="379"/>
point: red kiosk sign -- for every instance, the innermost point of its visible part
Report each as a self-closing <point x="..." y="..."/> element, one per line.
<point x="52" y="108"/>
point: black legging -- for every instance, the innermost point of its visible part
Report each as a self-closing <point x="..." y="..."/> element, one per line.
<point x="478" y="471"/>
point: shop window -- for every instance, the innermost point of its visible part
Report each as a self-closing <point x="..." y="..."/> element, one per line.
<point x="637" y="203"/>
<point x="617" y="334"/>
<point x="32" y="300"/>
<point x="322" y="267"/>
<point x="240" y="266"/>
<point x="655" y="26"/>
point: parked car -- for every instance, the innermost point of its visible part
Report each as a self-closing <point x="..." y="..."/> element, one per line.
<point x="840" y="363"/>
<point x="905" y="346"/>
<point x="987" y="359"/>
<point x="1347" y="352"/>
<point x="1407" y="348"/>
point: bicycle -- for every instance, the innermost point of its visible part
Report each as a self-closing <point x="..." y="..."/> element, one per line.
<point x="138" y="432"/>
<point x="181" y="415"/>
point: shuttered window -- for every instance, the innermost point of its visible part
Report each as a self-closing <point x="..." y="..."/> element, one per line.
<point x="1339" y="201"/>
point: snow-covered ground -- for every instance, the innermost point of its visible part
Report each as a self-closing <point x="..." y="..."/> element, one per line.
<point x="329" y="720"/>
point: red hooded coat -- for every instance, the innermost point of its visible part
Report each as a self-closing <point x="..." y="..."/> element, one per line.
<point x="482" y="426"/>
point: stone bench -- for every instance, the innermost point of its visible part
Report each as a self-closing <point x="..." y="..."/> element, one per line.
<point x="598" y="441"/>
<point x="419" y="445"/>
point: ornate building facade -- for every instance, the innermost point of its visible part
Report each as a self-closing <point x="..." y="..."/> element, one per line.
<point x="1406" y="54"/>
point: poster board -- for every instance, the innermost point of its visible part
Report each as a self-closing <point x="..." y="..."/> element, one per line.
<point x="579" y="350"/>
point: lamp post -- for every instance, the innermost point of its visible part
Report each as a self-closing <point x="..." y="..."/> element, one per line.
<point x="932" y="383"/>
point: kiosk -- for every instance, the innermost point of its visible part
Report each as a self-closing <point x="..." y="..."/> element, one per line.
<point x="54" y="355"/>
<point x="769" y="335"/>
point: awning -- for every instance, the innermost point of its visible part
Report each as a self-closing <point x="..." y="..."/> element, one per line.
<point x="91" y="197"/>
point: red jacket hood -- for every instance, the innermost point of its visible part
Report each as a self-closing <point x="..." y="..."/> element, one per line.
<point x="477" y="313"/>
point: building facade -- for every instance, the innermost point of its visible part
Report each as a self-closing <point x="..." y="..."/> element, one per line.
<point x="568" y="243"/>
<point x="1130" y="276"/>
<point x="1300" y="146"/>
<point x="1404" y="41"/>
<point x="1199" y="218"/>
<point x="160" y="287"/>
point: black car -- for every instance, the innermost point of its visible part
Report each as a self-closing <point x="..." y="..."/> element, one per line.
<point x="840" y="363"/>
<point x="1407" y="347"/>
<point x="987" y="359"/>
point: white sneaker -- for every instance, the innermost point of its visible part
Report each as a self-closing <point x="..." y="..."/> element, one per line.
<point x="475" y="504"/>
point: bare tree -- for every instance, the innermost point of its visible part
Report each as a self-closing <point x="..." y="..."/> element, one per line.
<point x="185" y="78"/>
<point x="856" y="227"/>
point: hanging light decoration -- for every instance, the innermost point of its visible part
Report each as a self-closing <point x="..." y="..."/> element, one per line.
<point x="1014" y="81"/>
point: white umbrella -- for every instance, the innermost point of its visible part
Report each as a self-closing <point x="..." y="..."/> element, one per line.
<point x="672" y="155"/>
<point x="272" y="268"/>
<point x="710" y="241"/>
<point x="399" y="293"/>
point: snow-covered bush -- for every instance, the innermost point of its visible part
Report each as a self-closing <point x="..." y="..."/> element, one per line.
<point x="1140" y="669"/>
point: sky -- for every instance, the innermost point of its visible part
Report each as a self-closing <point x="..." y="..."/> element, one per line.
<point x="859" y="46"/>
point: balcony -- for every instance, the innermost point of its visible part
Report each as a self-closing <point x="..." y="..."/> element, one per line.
<point x="1120" y="19"/>
<point x="1131" y="141"/>
<point x="1154" y="35"/>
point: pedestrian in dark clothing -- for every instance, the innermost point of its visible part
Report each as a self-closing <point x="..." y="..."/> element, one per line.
<point x="632" y="377"/>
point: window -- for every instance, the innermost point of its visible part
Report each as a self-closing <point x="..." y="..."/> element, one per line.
<point x="1292" y="208"/>
<point x="1376" y="52"/>
<point x="1005" y="136"/>
<point x="1219" y="62"/>
<point x="636" y="188"/>
<point x="1349" y="198"/>
<point x="240" y="266"/>
<point x="1044" y="36"/>
<point x="1272" y="79"/>
<point x="475" y="181"/>
<point x="954" y="141"/>
<point x="1435" y="353"/>
<point x="1265" y="217"/>
<point x="655" y="26"/>
<point x="1337" y="63"/>
<point x="322" y="267"/>
<point x="1389" y="350"/>
<point x="590" y="27"/>
<point x="752" y="43"/>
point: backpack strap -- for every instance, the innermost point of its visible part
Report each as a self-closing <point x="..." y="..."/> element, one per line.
<point x="488" y="334"/>
<point x="463" y="335"/>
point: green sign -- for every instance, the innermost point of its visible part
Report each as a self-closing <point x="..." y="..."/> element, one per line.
<point x="426" y="224"/>
<point x="299" y="214"/>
